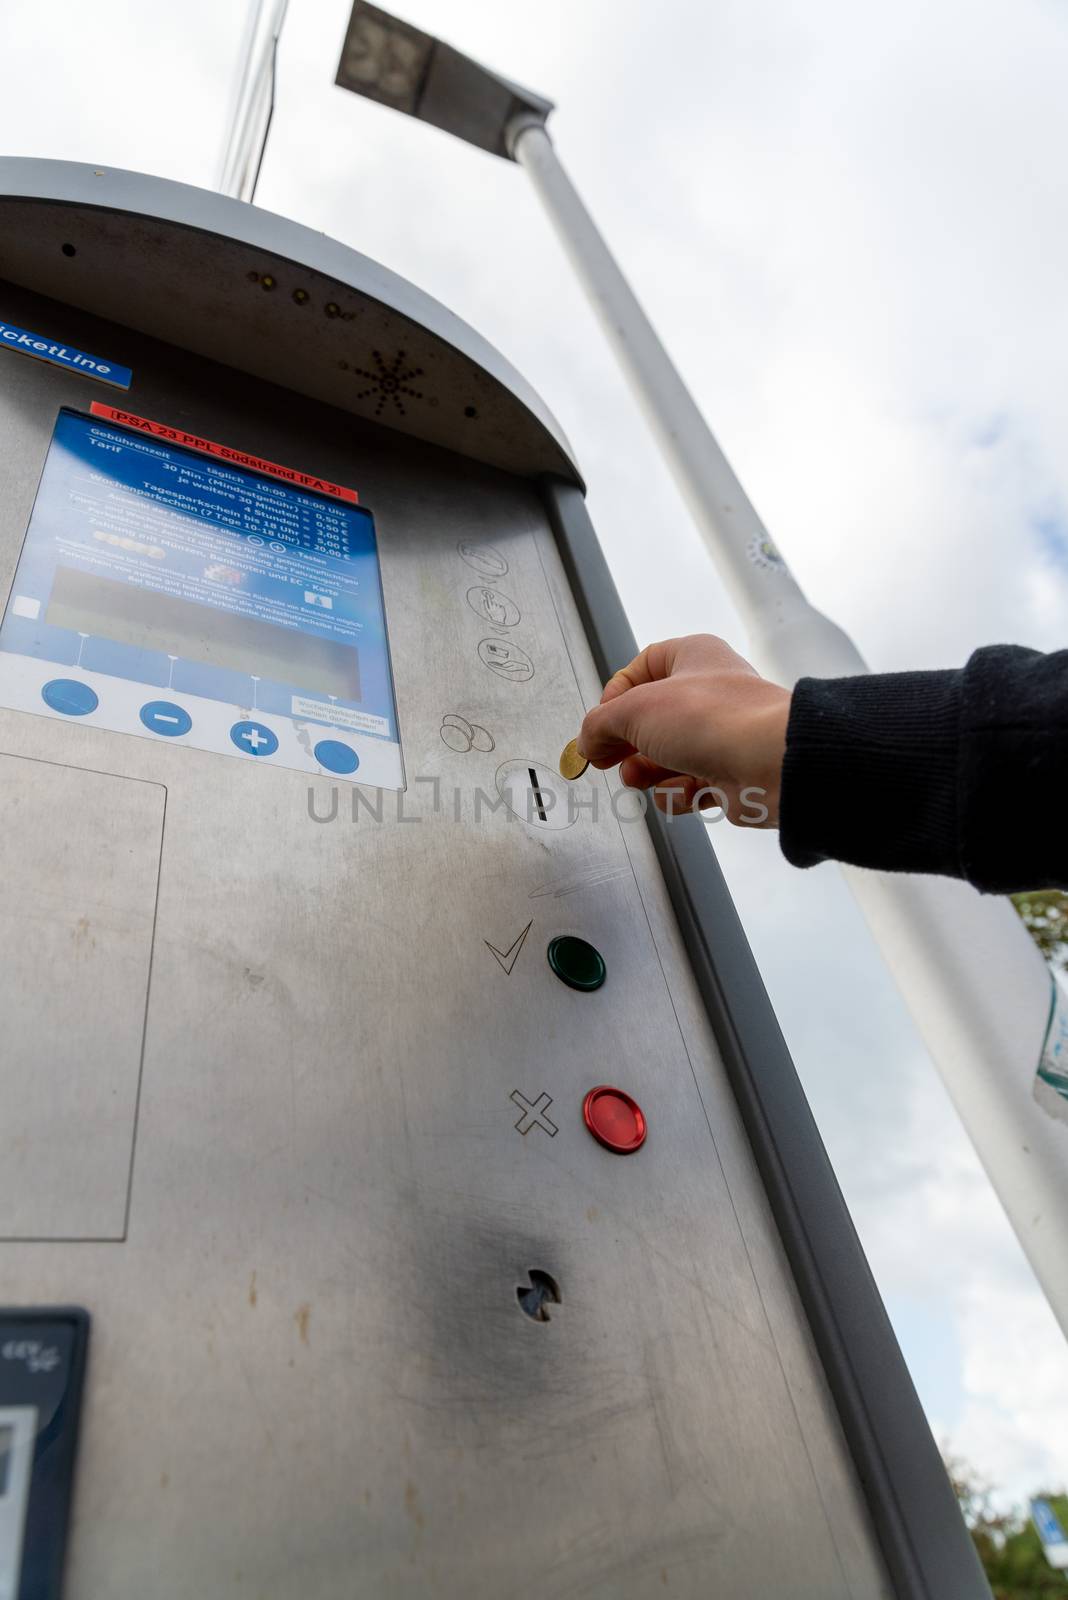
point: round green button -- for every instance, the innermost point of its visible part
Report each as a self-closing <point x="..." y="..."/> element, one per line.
<point x="576" y="963"/>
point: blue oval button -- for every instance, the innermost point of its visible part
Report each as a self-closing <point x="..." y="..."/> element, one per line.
<point x="74" y="699"/>
<point x="163" y="716"/>
<point x="254" y="739"/>
<point x="335" y="756"/>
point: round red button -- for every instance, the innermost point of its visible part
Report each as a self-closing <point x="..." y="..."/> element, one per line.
<point x="614" y="1119"/>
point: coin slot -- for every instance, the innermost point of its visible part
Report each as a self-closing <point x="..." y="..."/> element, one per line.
<point x="542" y="1292"/>
<point x="536" y="792"/>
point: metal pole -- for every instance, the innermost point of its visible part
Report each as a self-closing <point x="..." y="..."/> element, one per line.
<point x="239" y="169"/>
<point x="977" y="987"/>
<point x="785" y="629"/>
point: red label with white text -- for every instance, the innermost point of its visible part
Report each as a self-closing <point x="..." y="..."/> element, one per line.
<point x="223" y="452"/>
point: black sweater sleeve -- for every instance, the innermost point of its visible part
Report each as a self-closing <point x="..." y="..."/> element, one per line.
<point x="961" y="773"/>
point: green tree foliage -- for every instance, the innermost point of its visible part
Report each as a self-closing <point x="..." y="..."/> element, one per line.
<point x="1009" y="1548"/>
<point x="1045" y="916"/>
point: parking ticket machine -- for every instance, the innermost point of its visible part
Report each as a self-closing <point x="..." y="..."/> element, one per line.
<point x="404" y="1189"/>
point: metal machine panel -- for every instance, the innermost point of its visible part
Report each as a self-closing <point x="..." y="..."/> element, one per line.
<point x="382" y="1316"/>
<point x="79" y="863"/>
<point x="361" y="1143"/>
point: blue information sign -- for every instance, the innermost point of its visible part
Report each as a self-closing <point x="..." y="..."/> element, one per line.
<point x="57" y="354"/>
<point x="165" y="594"/>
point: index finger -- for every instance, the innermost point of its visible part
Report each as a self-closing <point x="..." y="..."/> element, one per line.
<point x="609" y="732"/>
<point x="654" y="662"/>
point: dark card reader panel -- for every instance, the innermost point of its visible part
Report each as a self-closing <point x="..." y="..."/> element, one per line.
<point x="42" y="1367"/>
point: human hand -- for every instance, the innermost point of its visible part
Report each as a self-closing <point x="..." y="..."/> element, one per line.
<point x="697" y="724"/>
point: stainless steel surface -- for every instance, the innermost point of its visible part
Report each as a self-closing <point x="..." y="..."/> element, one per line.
<point x="311" y="1371"/>
<point x="263" y="295"/>
<point x="79" y="862"/>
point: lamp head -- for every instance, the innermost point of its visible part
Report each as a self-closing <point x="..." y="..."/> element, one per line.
<point x="390" y="61"/>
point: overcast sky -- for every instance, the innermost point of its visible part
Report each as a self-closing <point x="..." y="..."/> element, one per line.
<point x="848" y="222"/>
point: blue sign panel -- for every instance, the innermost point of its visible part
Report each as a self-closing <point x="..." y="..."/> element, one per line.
<point x="42" y="348"/>
<point x="165" y="594"/>
<point x="1046" y="1523"/>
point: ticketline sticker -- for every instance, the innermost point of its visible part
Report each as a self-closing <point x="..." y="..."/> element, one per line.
<point x="42" y="348"/>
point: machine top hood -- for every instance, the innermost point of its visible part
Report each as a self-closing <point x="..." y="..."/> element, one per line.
<point x="269" y="297"/>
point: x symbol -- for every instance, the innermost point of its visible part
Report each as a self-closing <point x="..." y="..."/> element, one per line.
<point x="534" y="1116"/>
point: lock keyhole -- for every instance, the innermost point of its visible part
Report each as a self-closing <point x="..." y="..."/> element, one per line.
<point x="542" y="1292"/>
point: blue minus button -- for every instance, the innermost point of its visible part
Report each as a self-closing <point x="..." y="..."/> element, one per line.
<point x="336" y="757"/>
<point x="68" y="695"/>
<point x="163" y="716"/>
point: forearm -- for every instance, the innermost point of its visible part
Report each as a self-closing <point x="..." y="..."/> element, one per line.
<point x="962" y="773"/>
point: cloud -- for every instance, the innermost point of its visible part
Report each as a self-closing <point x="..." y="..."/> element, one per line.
<point x="120" y="84"/>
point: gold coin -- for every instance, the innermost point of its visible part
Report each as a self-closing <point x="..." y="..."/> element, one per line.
<point x="572" y="765"/>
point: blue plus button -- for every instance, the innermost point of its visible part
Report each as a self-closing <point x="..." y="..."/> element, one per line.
<point x="336" y="757"/>
<point x="254" y="739"/>
<point x="74" y="699"/>
<point x="163" y="716"/>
